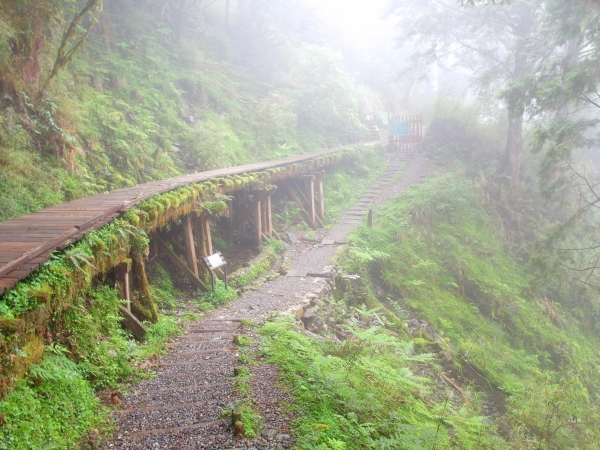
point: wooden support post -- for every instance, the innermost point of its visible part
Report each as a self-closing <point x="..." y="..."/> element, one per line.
<point x="269" y="223"/>
<point x="201" y="247"/>
<point x="247" y="213"/>
<point x="319" y="194"/>
<point x="230" y="223"/>
<point x="130" y="321"/>
<point x="190" y="248"/>
<point x="122" y="278"/>
<point x="309" y="193"/>
<point x="263" y="210"/>
<point x="198" y="284"/>
<point x="133" y="324"/>
<point x="370" y="218"/>
<point x="258" y="223"/>
<point x="207" y="236"/>
<point x="203" y="236"/>
<point x="318" y="222"/>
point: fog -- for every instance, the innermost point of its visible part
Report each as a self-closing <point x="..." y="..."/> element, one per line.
<point x="359" y="22"/>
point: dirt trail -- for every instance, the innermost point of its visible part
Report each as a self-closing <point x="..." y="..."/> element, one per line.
<point x="182" y="407"/>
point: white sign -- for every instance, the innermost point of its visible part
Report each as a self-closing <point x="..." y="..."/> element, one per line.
<point x="215" y="260"/>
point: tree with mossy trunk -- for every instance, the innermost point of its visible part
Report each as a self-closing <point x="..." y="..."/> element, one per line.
<point x="74" y="36"/>
<point x="33" y="31"/>
<point x="38" y="39"/>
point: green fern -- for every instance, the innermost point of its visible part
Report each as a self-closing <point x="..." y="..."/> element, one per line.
<point x="77" y="259"/>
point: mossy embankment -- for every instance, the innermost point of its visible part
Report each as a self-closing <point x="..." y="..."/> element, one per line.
<point x="440" y="254"/>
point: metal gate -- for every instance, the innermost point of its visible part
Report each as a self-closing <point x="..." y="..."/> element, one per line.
<point x="405" y="133"/>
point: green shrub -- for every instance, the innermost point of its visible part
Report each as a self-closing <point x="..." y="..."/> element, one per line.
<point x="217" y="297"/>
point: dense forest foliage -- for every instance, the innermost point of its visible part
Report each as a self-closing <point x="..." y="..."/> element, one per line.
<point x="138" y="91"/>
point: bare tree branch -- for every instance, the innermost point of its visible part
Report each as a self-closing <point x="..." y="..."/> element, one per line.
<point x="64" y="55"/>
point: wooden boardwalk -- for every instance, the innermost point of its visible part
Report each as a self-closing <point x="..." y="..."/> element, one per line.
<point x="26" y="241"/>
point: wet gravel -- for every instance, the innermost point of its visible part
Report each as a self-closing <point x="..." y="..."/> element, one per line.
<point x="182" y="407"/>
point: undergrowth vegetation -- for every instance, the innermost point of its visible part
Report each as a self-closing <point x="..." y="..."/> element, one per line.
<point x="56" y="404"/>
<point x="439" y="250"/>
<point x="364" y="394"/>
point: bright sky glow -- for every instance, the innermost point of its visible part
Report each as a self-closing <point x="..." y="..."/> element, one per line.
<point x="358" y="20"/>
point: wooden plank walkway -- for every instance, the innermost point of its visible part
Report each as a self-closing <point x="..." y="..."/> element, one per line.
<point x="26" y="241"/>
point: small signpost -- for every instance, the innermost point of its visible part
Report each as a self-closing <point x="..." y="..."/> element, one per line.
<point x="214" y="262"/>
<point x="399" y="128"/>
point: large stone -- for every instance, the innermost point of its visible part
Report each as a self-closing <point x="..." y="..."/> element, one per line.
<point x="313" y="322"/>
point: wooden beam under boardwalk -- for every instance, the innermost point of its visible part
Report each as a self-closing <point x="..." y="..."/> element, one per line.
<point x="294" y="197"/>
<point x="190" y="248"/>
<point x="309" y="194"/>
<point x="198" y="284"/>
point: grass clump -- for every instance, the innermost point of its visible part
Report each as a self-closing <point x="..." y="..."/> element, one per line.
<point x="276" y="245"/>
<point x="207" y="301"/>
<point x="246" y="323"/>
<point x="257" y="267"/>
<point x="253" y="422"/>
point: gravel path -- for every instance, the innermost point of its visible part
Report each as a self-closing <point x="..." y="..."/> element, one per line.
<point x="183" y="407"/>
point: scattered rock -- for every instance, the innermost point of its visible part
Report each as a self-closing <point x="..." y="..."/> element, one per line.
<point x="269" y="433"/>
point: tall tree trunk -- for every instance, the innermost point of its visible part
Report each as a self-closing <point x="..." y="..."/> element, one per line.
<point x="515" y="97"/>
<point x="572" y="53"/>
<point x="514" y="144"/>
<point x="516" y="112"/>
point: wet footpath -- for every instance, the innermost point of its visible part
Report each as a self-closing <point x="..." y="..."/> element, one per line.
<point x="188" y="404"/>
